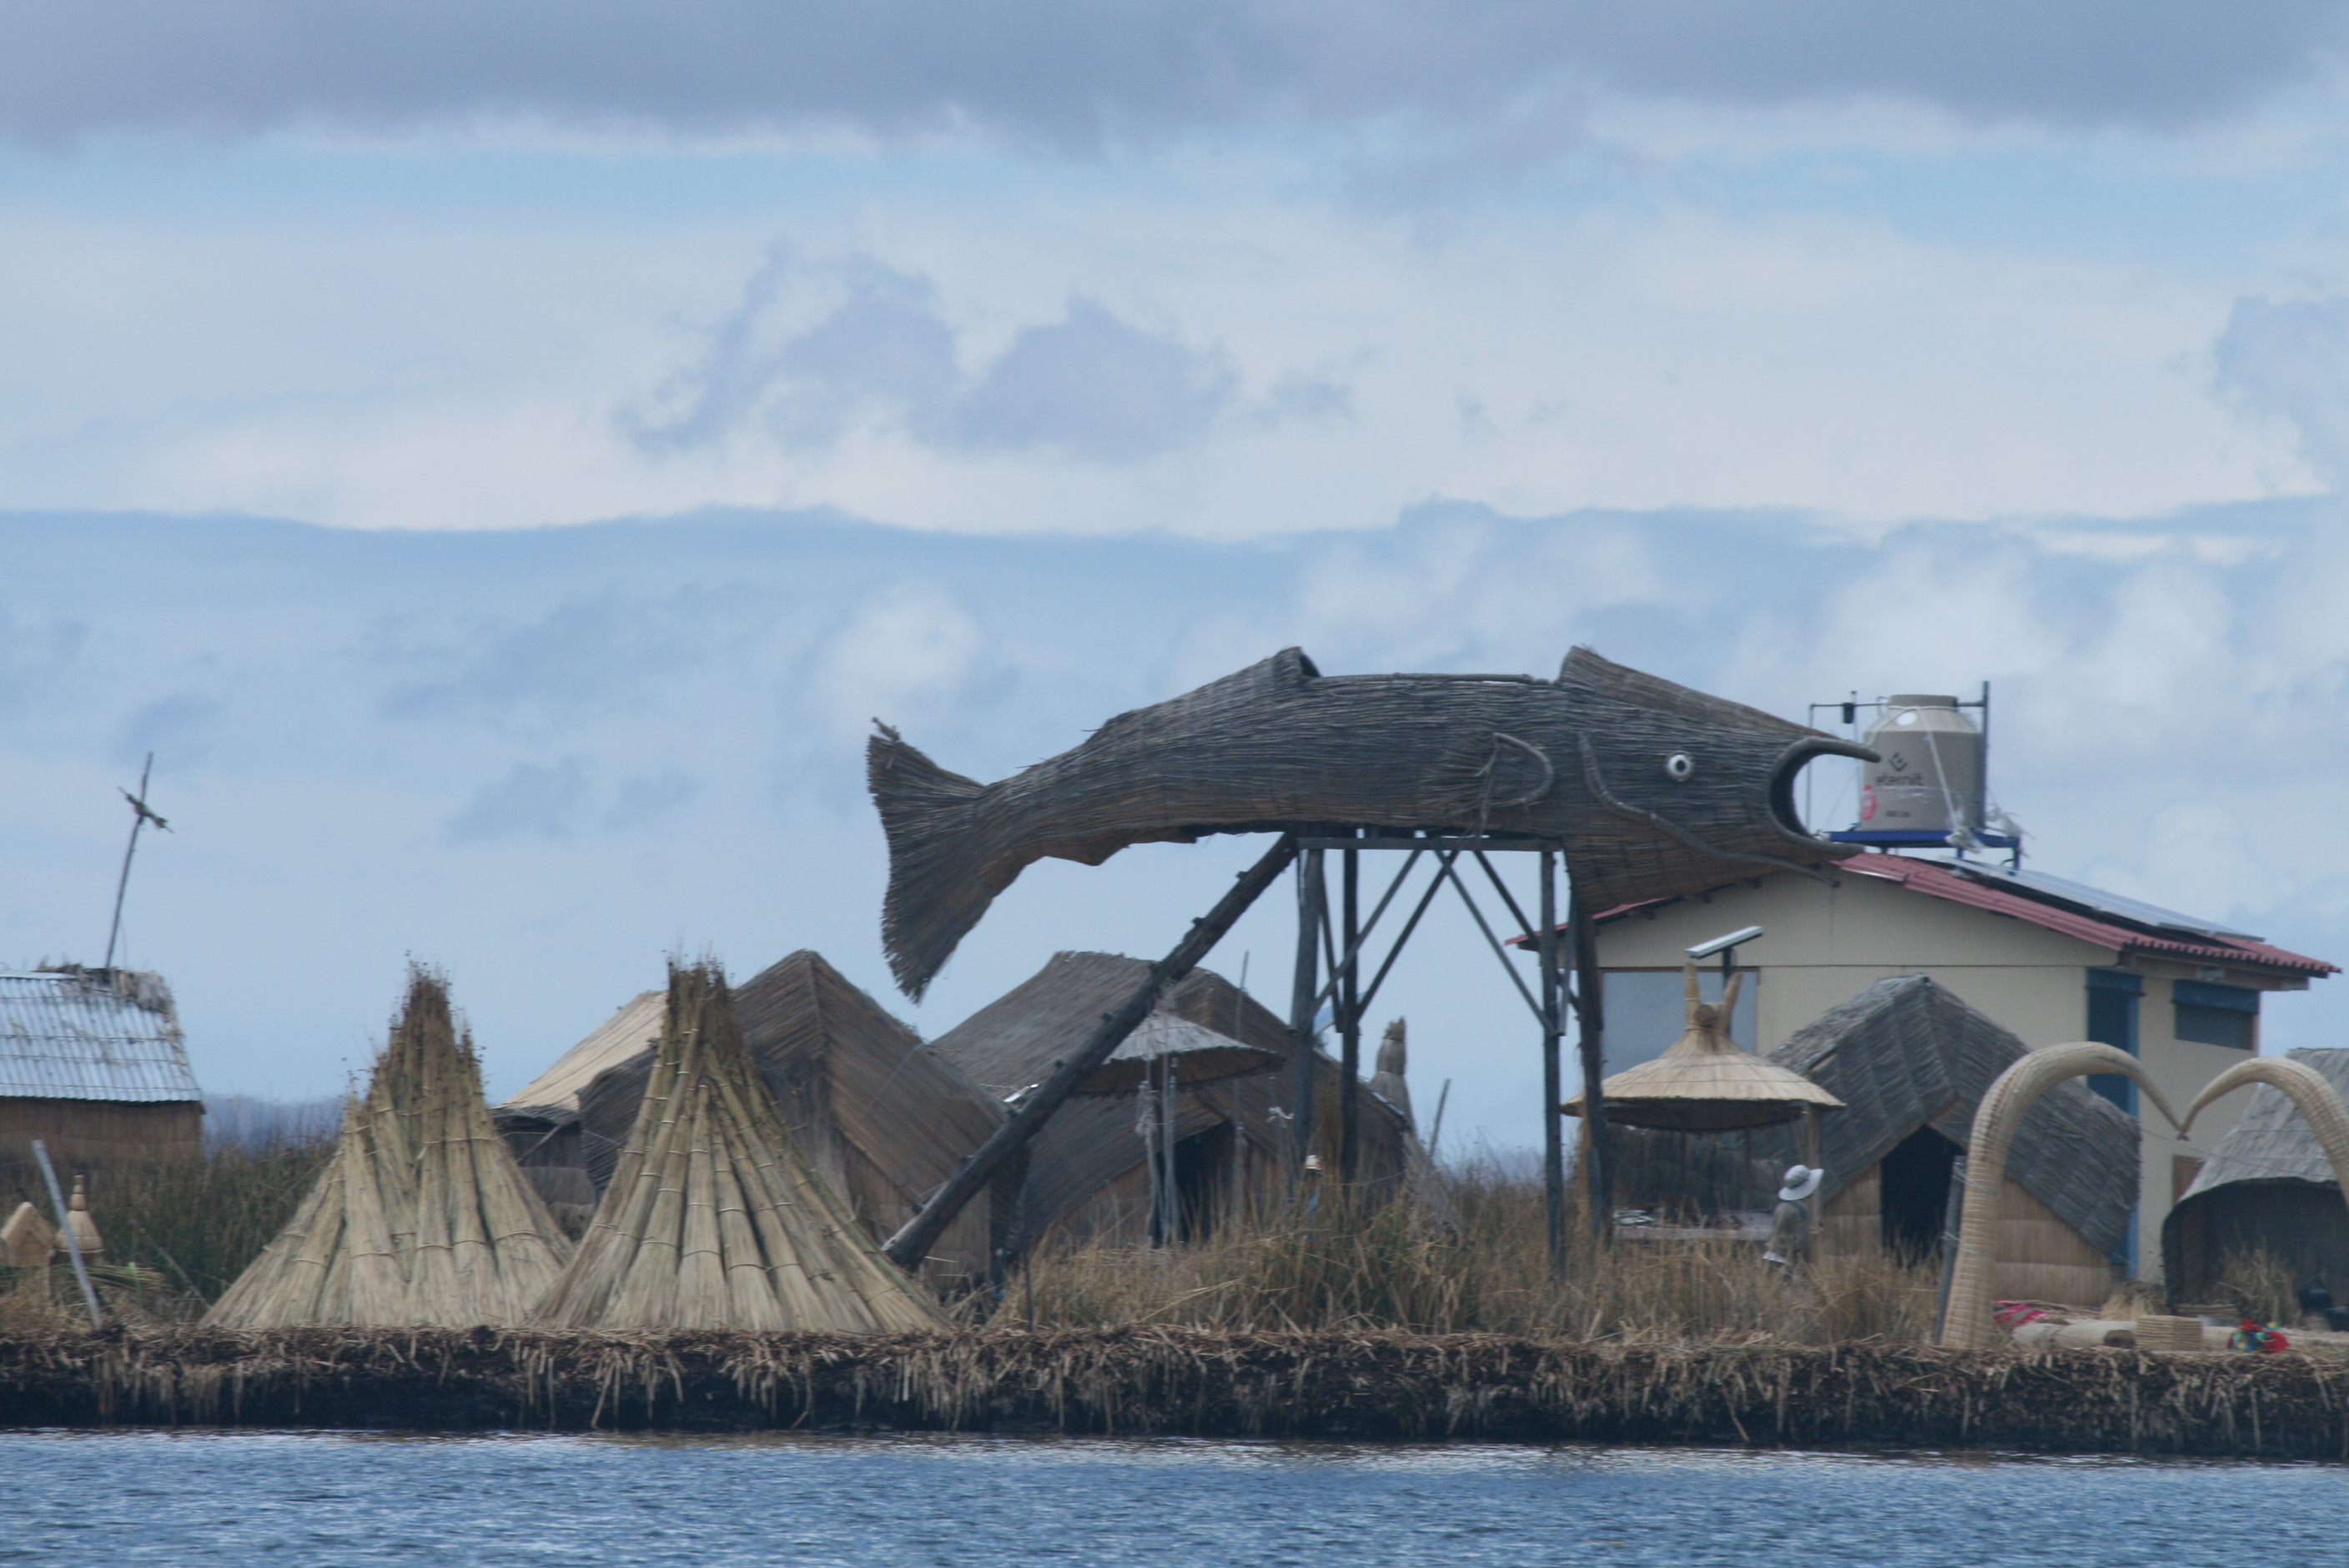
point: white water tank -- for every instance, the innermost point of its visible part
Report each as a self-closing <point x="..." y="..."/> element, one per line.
<point x="1930" y="776"/>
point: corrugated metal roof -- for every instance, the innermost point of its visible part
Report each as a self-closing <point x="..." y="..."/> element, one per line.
<point x="75" y="1036"/>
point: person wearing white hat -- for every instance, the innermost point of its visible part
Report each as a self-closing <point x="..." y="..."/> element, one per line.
<point x="1790" y="1227"/>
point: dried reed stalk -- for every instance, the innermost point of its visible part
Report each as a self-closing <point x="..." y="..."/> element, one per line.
<point x="713" y="1218"/>
<point x="421" y="1216"/>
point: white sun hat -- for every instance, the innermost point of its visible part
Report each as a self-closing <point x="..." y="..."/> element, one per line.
<point x="1802" y="1180"/>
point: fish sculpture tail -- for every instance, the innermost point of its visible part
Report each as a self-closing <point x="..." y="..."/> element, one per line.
<point x="942" y="875"/>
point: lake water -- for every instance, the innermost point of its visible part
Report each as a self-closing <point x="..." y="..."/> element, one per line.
<point x="332" y="1499"/>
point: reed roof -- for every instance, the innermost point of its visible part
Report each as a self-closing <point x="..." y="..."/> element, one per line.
<point x="1907" y="1053"/>
<point x="715" y="1218"/>
<point x="553" y="1096"/>
<point x="1707" y="1082"/>
<point x="421" y="1216"/>
<point x="2270" y="1141"/>
<point x="1195" y="1053"/>
<point x="885" y="1118"/>
<point x="1010" y="1044"/>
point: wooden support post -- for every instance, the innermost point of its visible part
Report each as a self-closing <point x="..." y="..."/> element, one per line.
<point x="1350" y="1014"/>
<point x="1590" y="1013"/>
<point x="1553" y="1079"/>
<point x="915" y="1239"/>
<point x="1312" y="900"/>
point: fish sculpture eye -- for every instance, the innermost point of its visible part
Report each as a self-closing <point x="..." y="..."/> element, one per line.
<point x="1678" y="766"/>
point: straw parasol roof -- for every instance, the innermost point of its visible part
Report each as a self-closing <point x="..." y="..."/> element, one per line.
<point x="421" y="1217"/>
<point x="1706" y="1082"/>
<point x="1198" y="1055"/>
<point x="714" y="1218"/>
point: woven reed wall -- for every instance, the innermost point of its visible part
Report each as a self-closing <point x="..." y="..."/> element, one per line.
<point x="93" y="1131"/>
<point x="1851" y="1223"/>
<point x="2039" y="1257"/>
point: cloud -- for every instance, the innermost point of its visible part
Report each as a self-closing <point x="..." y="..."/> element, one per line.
<point x="535" y="798"/>
<point x="1091" y="386"/>
<point x="1080" y="76"/>
<point x="2289" y="360"/>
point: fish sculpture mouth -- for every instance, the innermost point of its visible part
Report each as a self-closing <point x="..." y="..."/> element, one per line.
<point x="1789" y="768"/>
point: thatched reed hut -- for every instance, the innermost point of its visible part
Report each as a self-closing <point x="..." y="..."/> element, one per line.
<point x="421" y="1217"/>
<point x="541" y="1120"/>
<point x="92" y="1063"/>
<point x="884" y="1117"/>
<point x="715" y="1218"/>
<point x="2266" y="1187"/>
<point x="1911" y="1060"/>
<point x="1087" y="1177"/>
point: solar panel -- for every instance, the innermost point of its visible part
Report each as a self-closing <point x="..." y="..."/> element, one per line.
<point x="2095" y="898"/>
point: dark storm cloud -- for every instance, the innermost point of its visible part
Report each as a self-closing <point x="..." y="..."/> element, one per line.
<point x="1082" y="73"/>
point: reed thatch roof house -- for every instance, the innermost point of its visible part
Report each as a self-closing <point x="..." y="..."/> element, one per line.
<point x="2268" y="1187"/>
<point x="2048" y="960"/>
<point x="92" y="1063"/>
<point x="883" y="1117"/>
<point x="1911" y="1060"/>
<point x="1087" y="1178"/>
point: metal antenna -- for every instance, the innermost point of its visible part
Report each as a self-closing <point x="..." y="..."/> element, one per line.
<point x="141" y="817"/>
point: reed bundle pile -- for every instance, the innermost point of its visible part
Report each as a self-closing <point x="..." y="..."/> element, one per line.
<point x="714" y="1218"/>
<point x="1360" y="1384"/>
<point x="420" y="1216"/>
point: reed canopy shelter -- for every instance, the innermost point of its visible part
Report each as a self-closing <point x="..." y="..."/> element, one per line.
<point x="92" y="1063"/>
<point x="2265" y="1187"/>
<point x="1088" y="1175"/>
<point x="883" y="1117"/>
<point x="421" y="1217"/>
<point x="1911" y="1060"/>
<point x="714" y="1218"/>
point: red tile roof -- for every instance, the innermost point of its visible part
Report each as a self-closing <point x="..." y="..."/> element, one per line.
<point x="2099" y="930"/>
<point x="1935" y="881"/>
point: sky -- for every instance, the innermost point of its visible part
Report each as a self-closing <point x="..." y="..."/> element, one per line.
<point x="501" y="458"/>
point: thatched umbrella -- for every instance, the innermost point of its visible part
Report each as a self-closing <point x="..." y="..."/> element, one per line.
<point x="1167" y="1053"/>
<point x="421" y="1217"/>
<point x="714" y="1218"/>
<point x="1706" y="1082"/>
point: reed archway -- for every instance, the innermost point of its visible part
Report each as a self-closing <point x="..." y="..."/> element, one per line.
<point x="1966" y="1325"/>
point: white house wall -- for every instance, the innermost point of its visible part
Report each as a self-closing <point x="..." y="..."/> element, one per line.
<point x="1823" y="945"/>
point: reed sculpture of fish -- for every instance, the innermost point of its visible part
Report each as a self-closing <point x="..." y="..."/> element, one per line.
<point x="1650" y="789"/>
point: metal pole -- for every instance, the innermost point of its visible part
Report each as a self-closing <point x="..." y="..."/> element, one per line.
<point x="1350" y="1017"/>
<point x="1591" y="1015"/>
<point x="1312" y="896"/>
<point x="65" y="1234"/>
<point x="1553" y="1081"/>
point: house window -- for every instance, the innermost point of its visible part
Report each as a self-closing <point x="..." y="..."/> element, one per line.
<point x="2112" y="1020"/>
<point x="2216" y="1015"/>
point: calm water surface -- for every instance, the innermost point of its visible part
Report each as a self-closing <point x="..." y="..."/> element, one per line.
<point x="331" y="1498"/>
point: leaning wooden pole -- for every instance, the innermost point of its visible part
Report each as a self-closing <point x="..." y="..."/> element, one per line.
<point x="913" y="1240"/>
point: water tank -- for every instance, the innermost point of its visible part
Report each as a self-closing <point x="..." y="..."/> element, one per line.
<point x="1929" y="780"/>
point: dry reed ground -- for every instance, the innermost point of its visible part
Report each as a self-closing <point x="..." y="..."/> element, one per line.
<point x="1364" y="1385"/>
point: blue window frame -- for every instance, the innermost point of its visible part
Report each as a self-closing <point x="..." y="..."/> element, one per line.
<point x="2112" y="1020"/>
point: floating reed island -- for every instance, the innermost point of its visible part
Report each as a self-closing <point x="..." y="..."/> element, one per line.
<point x="1362" y="1384"/>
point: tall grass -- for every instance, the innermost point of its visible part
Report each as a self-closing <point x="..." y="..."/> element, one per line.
<point x="177" y="1232"/>
<point x="2258" y="1285"/>
<point x="1348" y="1263"/>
